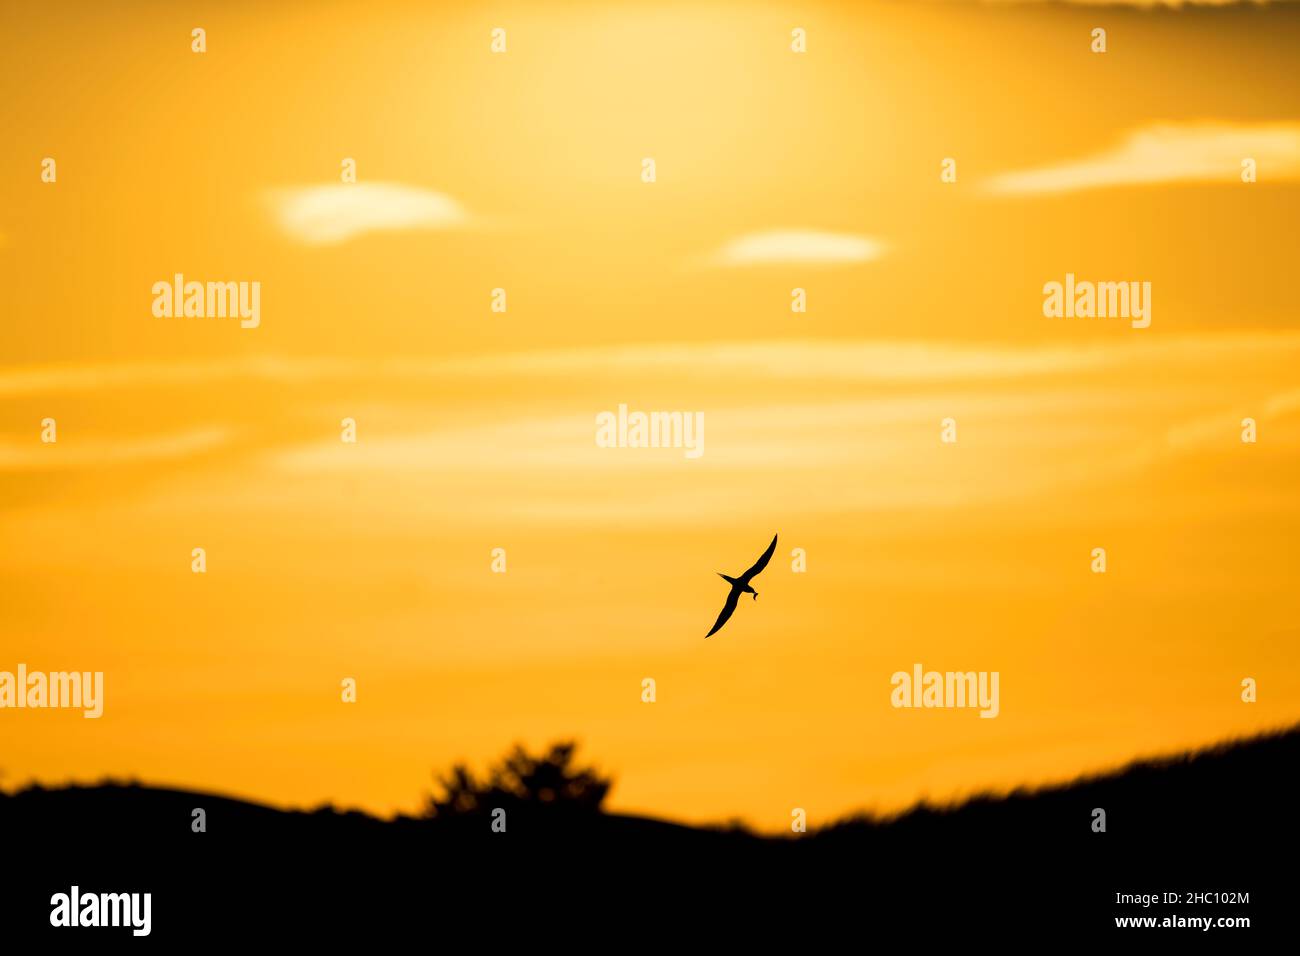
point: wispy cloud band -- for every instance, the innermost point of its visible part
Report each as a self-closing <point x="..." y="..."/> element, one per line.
<point x="848" y="361"/>
<point x="1168" y="153"/>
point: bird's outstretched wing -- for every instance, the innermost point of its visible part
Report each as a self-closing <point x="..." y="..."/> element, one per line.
<point x="761" y="563"/>
<point x="727" y="610"/>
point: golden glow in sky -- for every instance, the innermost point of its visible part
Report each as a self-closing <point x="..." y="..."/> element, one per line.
<point x="523" y="171"/>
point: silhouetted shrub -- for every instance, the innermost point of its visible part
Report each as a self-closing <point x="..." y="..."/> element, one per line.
<point x="522" y="782"/>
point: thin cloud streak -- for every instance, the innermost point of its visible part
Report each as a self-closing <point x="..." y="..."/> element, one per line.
<point x="864" y="362"/>
<point x="69" y="454"/>
<point x="1168" y="153"/>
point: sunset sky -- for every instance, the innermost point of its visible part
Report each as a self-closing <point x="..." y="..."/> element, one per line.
<point x="522" y="170"/>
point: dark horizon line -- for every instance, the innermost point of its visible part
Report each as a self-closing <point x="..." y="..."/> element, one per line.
<point x="864" y="817"/>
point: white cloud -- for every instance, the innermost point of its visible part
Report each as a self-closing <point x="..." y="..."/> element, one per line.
<point x="1169" y="153"/>
<point x="335" y="213"/>
<point x="798" y="246"/>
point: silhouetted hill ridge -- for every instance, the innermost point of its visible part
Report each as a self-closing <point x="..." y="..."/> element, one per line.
<point x="1158" y="784"/>
<point x="1218" y="819"/>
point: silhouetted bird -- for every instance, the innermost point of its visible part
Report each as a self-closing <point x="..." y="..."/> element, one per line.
<point x="741" y="586"/>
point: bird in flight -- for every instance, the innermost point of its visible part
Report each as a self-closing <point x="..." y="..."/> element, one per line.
<point x="741" y="586"/>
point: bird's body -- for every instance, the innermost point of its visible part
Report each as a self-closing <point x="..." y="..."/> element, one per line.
<point x="738" y="583"/>
<point x="741" y="586"/>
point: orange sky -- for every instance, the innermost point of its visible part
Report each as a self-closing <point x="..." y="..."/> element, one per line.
<point x="522" y="171"/>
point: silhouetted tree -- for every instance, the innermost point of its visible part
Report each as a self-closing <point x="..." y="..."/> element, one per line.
<point x="524" y="782"/>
